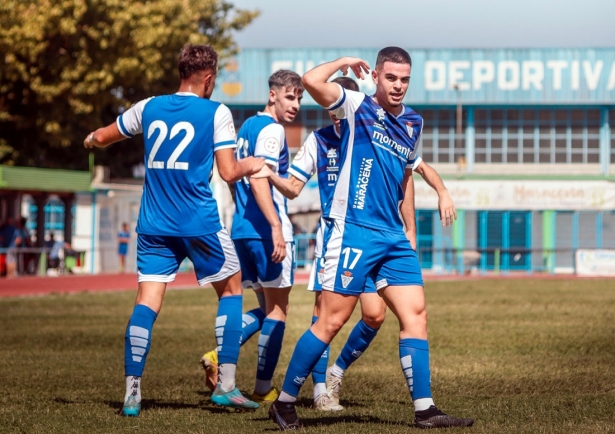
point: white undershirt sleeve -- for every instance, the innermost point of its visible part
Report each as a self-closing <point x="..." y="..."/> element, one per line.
<point x="224" y="129"/>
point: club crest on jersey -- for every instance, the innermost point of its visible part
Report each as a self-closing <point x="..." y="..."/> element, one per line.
<point x="346" y="278"/>
<point x="300" y="153"/>
<point x="381" y="114"/>
<point x="410" y="129"/>
<point x="272" y="145"/>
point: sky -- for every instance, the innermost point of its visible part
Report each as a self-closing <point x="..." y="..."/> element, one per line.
<point x="429" y="24"/>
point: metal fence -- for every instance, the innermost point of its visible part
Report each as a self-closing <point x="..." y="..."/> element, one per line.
<point x="450" y="260"/>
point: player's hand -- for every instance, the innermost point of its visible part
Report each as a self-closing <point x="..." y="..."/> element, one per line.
<point x="265" y="172"/>
<point x="253" y="164"/>
<point x="89" y="141"/>
<point x="447" y="209"/>
<point x="279" y="245"/>
<point x="358" y="66"/>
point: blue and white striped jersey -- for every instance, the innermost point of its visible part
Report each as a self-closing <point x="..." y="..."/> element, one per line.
<point x="260" y="136"/>
<point x="376" y="149"/>
<point x="181" y="133"/>
<point x="320" y="154"/>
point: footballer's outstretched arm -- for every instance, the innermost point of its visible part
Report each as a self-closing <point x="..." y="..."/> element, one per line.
<point x="289" y="187"/>
<point x="103" y="137"/>
<point x="326" y="93"/>
<point x="445" y="203"/>
<point x="232" y="170"/>
<point x="407" y="208"/>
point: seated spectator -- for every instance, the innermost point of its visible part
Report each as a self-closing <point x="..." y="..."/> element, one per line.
<point x="55" y="247"/>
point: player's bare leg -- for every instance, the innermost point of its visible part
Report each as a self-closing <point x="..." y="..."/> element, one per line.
<point x="373" y="312"/>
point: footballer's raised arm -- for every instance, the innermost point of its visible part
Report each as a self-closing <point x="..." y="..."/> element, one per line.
<point x="316" y="82"/>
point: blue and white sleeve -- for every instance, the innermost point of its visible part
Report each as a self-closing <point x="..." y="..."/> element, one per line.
<point x="347" y="103"/>
<point x="305" y="162"/>
<point x="224" y="129"/>
<point x="130" y="123"/>
<point x="415" y="160"/>
<point x="269" y="144"/>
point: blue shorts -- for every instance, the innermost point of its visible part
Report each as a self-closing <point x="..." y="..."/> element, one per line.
<point x="213" y="256"/>
<point x="122" y="249"/>
<point x="257" y="268"/>
<point x="318" y="271"/>
<point x="353" y="254"/>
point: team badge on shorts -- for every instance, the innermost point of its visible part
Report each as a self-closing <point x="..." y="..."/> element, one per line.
<point x="346" y="279"/>
<point x="320" y="275"/>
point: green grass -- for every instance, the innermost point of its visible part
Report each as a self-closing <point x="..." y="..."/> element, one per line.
<point x="520" y="356"/>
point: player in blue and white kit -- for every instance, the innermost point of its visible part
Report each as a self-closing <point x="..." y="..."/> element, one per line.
<point x="320" y="155"/>
<point x="262" y="230"/>
<point x="179" y="217"/>
<point x="371" y="231"/>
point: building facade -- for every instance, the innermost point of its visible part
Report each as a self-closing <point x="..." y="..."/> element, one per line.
<point x="522" y="138"/>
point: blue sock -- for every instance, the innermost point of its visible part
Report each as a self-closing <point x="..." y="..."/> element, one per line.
<point x="319" y="374"/>
<point x="137" y="339"/>
<point x="228" y="328"/>
<point x="414" y="357"/>
<point x="252" y="322"/>
<point x="307" y="352"/>
<point x="360" y="337"/>
<point x="269" y="348"/>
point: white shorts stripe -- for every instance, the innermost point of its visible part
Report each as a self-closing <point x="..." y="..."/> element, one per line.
<point x="156" y="278"/>
<point x="332" y="254"/>
<point x="231" y="262"/>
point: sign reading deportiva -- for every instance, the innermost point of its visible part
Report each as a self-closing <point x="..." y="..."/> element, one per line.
<point x="516" y="76"/>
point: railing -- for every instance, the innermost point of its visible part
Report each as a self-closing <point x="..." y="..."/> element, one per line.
<point x="36" y="261"/>
<point x="450" y="260"/>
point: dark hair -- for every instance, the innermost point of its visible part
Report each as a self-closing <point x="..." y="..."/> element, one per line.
<point x="289" y="80"/>
<point x="393" y="54"/>
<point x="346" y="83"/>
<point x="196" y="58"/>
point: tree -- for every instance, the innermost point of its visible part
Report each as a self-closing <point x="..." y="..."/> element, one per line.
<point x="69" y="66"/>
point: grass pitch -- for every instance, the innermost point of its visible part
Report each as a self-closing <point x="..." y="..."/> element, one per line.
<point x="519" y="356"/>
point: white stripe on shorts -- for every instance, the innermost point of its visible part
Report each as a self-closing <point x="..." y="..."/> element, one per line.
<point x="156" y="278"/>
<point x="333" y="250"/>
<point x="231" y="262"/>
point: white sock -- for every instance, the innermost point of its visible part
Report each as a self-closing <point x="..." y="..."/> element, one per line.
<point x="133" y="388"/>
<point x="336" y="371"/>
<point x="226" y="376"/>
<point x="262" y="386"/>
<point x="422" y="404"/>
<point x="285" y="397"/>
<point x="319" y="389"/>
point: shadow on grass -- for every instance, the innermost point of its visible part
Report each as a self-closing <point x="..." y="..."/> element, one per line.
<point x="332" y="420"/>
<point x="147" y="404"/>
